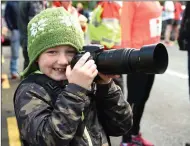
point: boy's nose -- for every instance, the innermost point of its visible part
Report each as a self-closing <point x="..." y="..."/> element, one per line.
<point x="62" y="59"/>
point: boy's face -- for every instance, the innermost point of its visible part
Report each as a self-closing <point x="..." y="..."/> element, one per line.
<point x="53" y="61"/>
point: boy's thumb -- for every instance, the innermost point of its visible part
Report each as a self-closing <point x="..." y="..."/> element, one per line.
<point x="68" y="70"/>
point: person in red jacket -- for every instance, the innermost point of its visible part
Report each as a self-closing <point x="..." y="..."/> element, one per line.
<point x="140" y="25"/>
<point x="67" y="4"/>
<point x="177" y="19"/>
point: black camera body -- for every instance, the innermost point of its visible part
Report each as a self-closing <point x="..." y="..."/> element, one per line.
<point x="150" y="59"/>
<point x="94" y="51"/>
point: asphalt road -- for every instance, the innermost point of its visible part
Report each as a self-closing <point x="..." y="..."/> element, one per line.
<point x="166" y="120"/>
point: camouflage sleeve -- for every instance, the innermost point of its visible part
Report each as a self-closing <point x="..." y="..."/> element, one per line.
<point x="114" y="112"/>
<point x="41" y="124"/>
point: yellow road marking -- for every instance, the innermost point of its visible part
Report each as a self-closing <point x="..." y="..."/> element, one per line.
<point x="2" y="59"/>
<point x="13" y="133"/>
<point x="5" y="82"/>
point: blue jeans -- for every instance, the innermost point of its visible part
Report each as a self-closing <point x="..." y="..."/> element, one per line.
<point x="15" y="45"/>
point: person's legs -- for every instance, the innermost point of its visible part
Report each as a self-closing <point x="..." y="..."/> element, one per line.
<point x="138" y="109"/>
<point x="176" y="27"/>
<point x="15" y="45"/>
<point x="139" y="87"/>
<point x="135" y="88"/>
<point x="145" y="83"/>
<point x="168" y="31"/>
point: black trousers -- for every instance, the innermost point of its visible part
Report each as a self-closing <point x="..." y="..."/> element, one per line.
<point x="25" y="55"/>
<point x="139" y="86"/>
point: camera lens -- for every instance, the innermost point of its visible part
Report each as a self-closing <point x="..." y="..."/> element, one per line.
<point x="150" y="59"/>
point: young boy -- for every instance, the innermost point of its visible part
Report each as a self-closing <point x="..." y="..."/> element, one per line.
<point x="57" y="105"/>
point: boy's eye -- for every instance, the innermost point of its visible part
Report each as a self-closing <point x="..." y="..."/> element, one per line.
<point x="51" y="52"/>
<point x="71" y="52"/>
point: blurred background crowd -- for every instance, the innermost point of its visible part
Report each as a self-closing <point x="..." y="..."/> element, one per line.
<point x="113" y="24"/>
<point x="16" y="15"/>
<point x="171" y="10"/>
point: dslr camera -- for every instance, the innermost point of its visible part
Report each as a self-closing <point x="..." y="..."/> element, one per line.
<point x="150" y="59"/>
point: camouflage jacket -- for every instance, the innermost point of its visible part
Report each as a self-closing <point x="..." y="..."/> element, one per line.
<point x="76" y="118"/>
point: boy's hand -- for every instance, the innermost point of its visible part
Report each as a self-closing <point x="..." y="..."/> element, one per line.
<point x="105" y="79"/>
<point x="83" y="73"/>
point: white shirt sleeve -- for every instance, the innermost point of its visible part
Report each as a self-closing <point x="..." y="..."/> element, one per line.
<point x="169" y="6"/>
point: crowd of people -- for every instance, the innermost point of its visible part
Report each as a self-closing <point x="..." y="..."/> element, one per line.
<point x="172" y="14"/>
<point x="63" y="103"/>
<point x="18" y="14"/>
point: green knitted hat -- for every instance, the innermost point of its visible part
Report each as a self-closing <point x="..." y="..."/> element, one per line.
<point x="50" y="28"/>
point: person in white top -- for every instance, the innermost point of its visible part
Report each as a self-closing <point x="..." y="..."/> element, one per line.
<point x="169" y="17"/>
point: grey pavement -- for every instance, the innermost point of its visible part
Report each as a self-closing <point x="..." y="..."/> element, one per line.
<point x="166" y="119"/>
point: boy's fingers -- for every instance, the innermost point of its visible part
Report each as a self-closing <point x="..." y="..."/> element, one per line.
<point x="93" y="67"/>
<point x="82" y="60"/>
<point x="95" y="73"/>
<point x="68" y="70"/>
<point x="114" y="76"/>
<point x="88" y="64"/>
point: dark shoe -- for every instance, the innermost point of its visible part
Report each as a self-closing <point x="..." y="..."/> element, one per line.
<point x="14" y="76"/>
